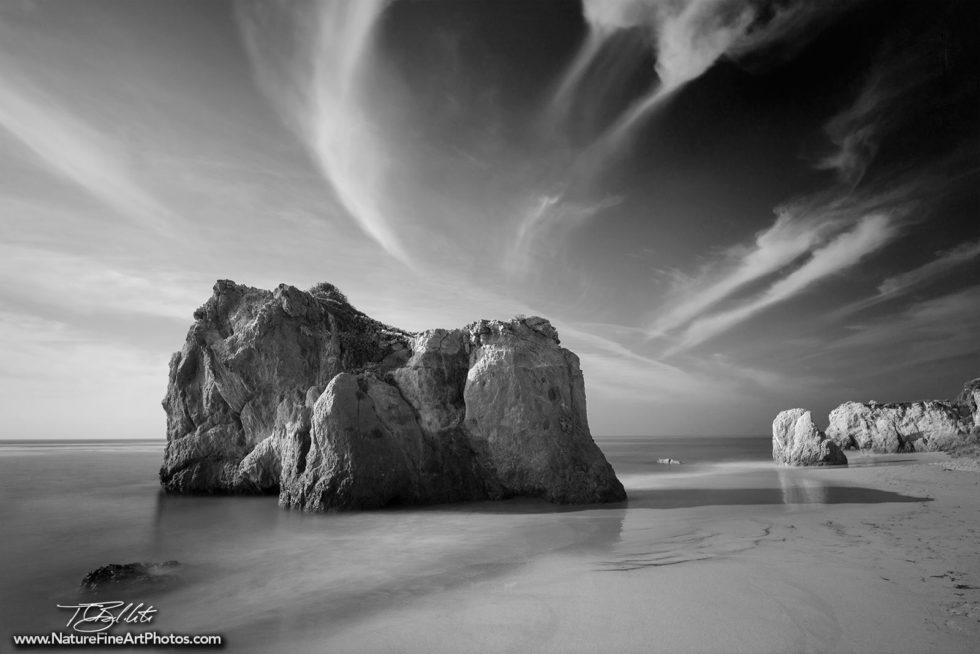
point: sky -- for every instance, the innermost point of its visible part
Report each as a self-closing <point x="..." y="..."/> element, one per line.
<point x="726" y="207"/>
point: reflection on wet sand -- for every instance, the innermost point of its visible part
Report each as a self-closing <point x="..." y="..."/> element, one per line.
<point x="266" y="577"/>
<point x="792" y="492"/>
<point x="800" y="490"/>
<point x="333" y="571"/>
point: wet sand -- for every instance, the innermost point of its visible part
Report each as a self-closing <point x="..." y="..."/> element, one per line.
<point x="722" y="556"/>
<point x="898" y="572"/>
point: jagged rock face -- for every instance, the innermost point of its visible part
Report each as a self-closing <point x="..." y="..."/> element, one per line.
<point x="248" y="361"/>
<point x="899" y="427"/>
<point x="796" y="441"/>
<point x="302" y="394"/>
<point x="518" y="383"/>
<point x="367" y="450"/>
<point x="969" y="399"/>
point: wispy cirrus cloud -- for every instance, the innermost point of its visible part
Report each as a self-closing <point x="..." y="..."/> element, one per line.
<point x="319" y="86"/>
<point x="944" y="263"/>
<point x="844" y="251"/>
<point x="857" y="130"/>
<point x="543" y="222"/>
<point x="778" y="246"/>
<point x="900" y="83"/>
<point x="911" y="280"/>
<point x="76" y="151"/>
<point x="935" y="329"/>
<point x="93" y="285"/>
<point x="688" y="37"/>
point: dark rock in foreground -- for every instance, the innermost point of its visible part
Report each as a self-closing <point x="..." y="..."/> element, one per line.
<point x="796" y="441"/>
<point x="115" y="576"/>
<point x="299" y="393"/>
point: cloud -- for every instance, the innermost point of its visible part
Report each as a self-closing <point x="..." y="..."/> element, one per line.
<point x="617" y="375"/>
<point x="903" y="283"/>
<point x="856" y="132"/>
<point x="846" y="250"/>
<point x="781" y="30"/>
<point x="776" y="247"/>
<point x="936" y="329"/>
<point x="896" y="87"/>
<point x="944" y="263"/>
<point x="320" y="86"/>
<point x="75" y="150"/>
<point x="89" y="285"/>
<point x="689" y="36"/>
<point x="545" y="221"/>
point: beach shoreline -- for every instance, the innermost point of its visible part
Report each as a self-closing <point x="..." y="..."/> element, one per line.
<point x="888" y="576"/>
<point x="717" y="555"/>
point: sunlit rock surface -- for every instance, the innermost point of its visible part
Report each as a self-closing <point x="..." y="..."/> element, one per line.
<point x="969" y="400"/>
<point x="796" y="441"/>
<point x="299" y="393"/>
<point x="930" y="425"/>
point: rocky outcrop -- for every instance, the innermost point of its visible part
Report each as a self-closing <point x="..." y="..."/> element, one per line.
<point x="299" y="393"/>
<point x="118" y="576"/>
<point x="931" y="425"/>
<point x="969" y="400"/>
<point x="796" y="441"/>
<point x="898" y="427"/>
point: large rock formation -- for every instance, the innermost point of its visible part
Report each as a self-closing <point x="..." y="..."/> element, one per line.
<point x="900" y="427"/>
<point x="299" y="393"/>
<point x="931" y="425"/>
<point x="796" y="441"/>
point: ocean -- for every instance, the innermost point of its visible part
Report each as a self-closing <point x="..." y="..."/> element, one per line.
<point x="268" y="579"/>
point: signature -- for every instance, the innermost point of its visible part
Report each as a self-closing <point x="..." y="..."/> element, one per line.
<point x="93" y="617"/>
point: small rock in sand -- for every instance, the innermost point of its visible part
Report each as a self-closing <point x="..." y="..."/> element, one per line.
<point x="128" y="575"/>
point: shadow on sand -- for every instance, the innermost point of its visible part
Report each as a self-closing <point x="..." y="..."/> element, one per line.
<point x="683" y="498"/>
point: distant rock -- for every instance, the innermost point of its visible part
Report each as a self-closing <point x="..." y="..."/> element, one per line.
<point x="299" y="393"/>
<point x="969" y="400"/>
<point x="925" y="426"/>
<point x="116" y="576"/>
<point x="796" y="441"/>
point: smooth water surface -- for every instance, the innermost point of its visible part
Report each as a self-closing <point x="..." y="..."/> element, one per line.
<point x="264" y="577"/>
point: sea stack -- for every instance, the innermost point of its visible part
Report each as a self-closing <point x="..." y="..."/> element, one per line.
<point x="796" y="441"/>
<point x="299" y="393"/>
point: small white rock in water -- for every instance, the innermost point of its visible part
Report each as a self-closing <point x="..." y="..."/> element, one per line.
<point x="668" y="461"/>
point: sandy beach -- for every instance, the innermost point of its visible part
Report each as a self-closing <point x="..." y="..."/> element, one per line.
<point x="714" y="555"/>
<point x="899" y="573"/>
